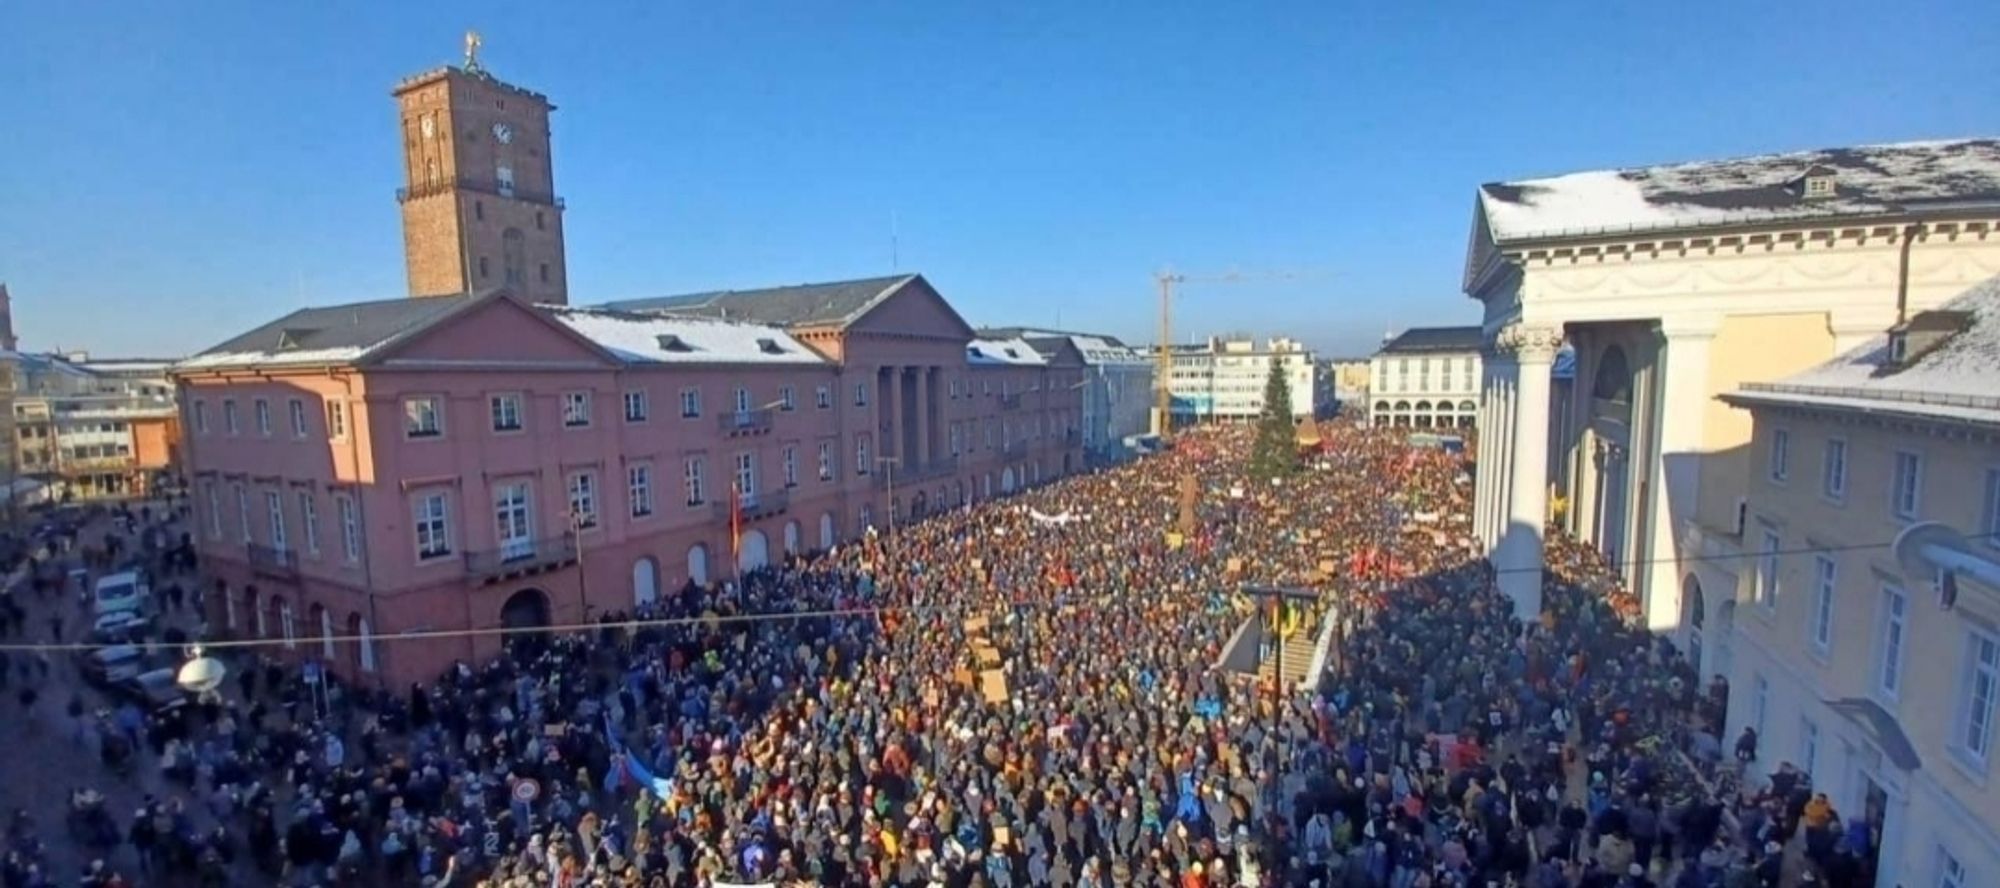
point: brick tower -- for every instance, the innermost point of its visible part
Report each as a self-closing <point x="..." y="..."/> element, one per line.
<point x="479" y="204"/>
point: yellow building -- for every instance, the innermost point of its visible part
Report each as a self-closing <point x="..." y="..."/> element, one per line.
<point x="1856" y="666"/>
<point x="1673" y="284"/>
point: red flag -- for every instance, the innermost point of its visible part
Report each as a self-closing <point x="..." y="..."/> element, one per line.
<point x="735" y="523"/>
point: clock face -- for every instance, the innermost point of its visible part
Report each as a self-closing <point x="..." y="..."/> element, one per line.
<point x="429" y="126"/>
<point x="504" y="133"/>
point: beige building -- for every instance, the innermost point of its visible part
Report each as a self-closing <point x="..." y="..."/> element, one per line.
<point x="1674" y="284"/>
<point x="1427" y="377"/>
<point x="1876" y="678"/>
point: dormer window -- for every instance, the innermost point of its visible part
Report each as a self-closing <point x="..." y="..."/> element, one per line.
<point x="975" y="352"/>
<point x="769" y="347"/>
<point x="1924" y="332"/>
<point x="293" y="337"/>
<point x="1817" y="183"/>
<point x="672" y="343"/>
<point x="1899" y="347"/>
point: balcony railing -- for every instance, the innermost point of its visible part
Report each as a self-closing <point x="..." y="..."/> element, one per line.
<point x="269" y="561"/>
<point x="759" y="505"/>
<point x="521" y="558"/>
<point x="98" y="462"/>
<point x="1010" y="401"/>
<point x="912" y="473"/>
<point x="446" y="186"/>
<point x="745" y="422"/>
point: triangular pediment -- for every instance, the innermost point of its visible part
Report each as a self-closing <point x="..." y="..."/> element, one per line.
<point x="496" y="330"/>
<point x="913" y="308"/>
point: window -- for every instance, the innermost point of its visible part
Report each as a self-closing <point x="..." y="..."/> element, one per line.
<point x="954" y="439"/>
<point x="263" y="413"/>
<point x="786" y="401"/>
<point x="201" y="417"/>
<point x="545" y="272"/>
<point x="423" y="417"/>
<point x="696" y="492"/>
<point x="746" y="476"/>
<point x="350" y="527"/>
<point x="243" y="513"/>
<point x="826" y="461"/>
<point x="1980" y="688"/>
<point x="229" y="419"/>
<point x="583" y="499"/>
<point x="1906" y="488"/>
<point x="482" y="267"/>
<point x="513" y="521"/>
<point x="1766" y="590"/>
<point x="506" y="413"/>
<point x="1889" y="642"/>
<point x="214" y="510"/>
<point x="479" y="210"/>
<point x="539" y="222"/>
<point x="1808" y="746"/>
<point x="1760" y="703"/>
<point x="690" y="403"/>
<point x="576" y="410"/>
<point x="742" y="400"/>
<point x="285" y="620"/>
<point x="639" y="488"/>
<point x="1991" y="526"/>
<point x="823" y="397"/>
<point x="791" y="466"/>
<point x="503" y="178"/>
<point x="1833" y="470"/>
<point x="1950" y="872"/>
<point x="1781" y="454"/>
<point x="635" y="405"/>
<point x="432" y="522"/>
<point x="274" y="508"/>
<point x="298" y="411"/>
<point x="861" y="461"/>
<point x="309" y="520"/>
<point x="1822" y="606"/>
<point x="336" y="419"/>
<point x="861" y="394"/>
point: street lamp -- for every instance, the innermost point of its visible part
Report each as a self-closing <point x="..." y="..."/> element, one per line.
<point x="577" y="522"/>
<point x="891" y="462"/>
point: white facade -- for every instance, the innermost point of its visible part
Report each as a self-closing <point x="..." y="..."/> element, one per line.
<point x="1225" y="378"/>
<point x="1427" y="381"/>
<point x="1674" y="284"/>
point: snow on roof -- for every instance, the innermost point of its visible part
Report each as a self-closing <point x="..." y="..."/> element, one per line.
<point x="273" y="358"/>
<point x="998" y="352"/>
<point x="652" y="338"/>
<point x="1868" y="180"/>
<point x="1955" y="380"/>
<point x="1097" y="350"/>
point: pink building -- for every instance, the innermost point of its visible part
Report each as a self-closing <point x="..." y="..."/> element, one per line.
<point x="416" y="464"/>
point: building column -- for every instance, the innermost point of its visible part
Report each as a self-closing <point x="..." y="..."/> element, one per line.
<point x="923" y="416"/>
<point x="1675" y="477"/>
<point x="891" y="426"/>
<point x="1518" y="556"/>
<point x="1483" y="469"/>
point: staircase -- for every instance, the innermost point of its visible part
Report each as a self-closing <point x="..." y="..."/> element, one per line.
<point x="1296" y="667"/>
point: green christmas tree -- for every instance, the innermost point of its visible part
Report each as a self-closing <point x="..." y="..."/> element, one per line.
<point x="1275" y="452"/>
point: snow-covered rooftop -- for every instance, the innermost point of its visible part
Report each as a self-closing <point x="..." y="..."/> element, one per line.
<point x="1867" y="181"/>
<point x="272" y="358"/>
<point x="651" y="338"/>
<point x="997" y="352"/>
<point x="1957" y="380"/>
<point x="1097" y="350"/>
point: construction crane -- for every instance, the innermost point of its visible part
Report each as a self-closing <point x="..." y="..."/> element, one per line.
<point x="1163" y="373"/>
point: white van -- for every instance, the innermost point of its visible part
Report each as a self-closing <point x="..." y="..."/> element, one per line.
<point x="122" y="591"/>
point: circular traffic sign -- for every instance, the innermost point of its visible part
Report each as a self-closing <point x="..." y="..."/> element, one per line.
<point x="526" y="791"/>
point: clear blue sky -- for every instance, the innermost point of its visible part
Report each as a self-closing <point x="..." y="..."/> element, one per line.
<point x="171" y="173"/>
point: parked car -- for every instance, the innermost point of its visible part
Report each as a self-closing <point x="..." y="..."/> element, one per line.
<point x="121" y="591"/>
<point x="157" y="690"/>
<point x="121" y="627"/>
<point x="106" y="667"/>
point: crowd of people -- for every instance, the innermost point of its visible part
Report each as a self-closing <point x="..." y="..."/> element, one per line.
<point x="1025" y="692"/>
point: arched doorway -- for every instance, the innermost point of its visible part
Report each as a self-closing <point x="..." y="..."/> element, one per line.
<point x="755" y="552"/>
<point x="698" y="564"/>
<point x="791" y="538"/>
<point x="323" y="618"/>
<point x="356" y="632"/>
<point x="1037" y="470"/>
<point x="645" y="582"/>
<point x="1007" y="480"/>
<point x="826" y="530"/>
<point x="1693" y="610"/>
<point x="367" y="645"/>
<point x="525" y="609"/>
<point x="1721" y="644"/>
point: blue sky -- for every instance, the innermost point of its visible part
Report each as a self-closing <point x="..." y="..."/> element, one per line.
<point x="173" y="173"/>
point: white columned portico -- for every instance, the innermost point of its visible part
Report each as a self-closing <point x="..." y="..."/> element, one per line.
<point x="1492" y="452"/>
<point x="1682" y="373"/>
<point x="1518" y="555"/>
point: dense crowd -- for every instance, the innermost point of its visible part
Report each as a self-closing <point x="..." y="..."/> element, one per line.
<point x="836" y="720"/>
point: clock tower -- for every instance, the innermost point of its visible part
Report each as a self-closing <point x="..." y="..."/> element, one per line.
<point x="480" y="210"/>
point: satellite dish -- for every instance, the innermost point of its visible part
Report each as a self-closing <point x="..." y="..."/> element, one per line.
<point x="201" y="674"/>
<point x="1916" y="541"/>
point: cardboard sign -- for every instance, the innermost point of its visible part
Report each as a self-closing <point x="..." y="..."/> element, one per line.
<point x="988" y="656"/>
<point x="963" y="676"/>
<point x="975" y="625"/>
<point x="1235" y="565"/>
<point x="993" y="685"/>
<point x="1174" y="540"/>
<point x="1326" y="566"/>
